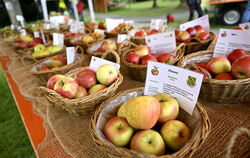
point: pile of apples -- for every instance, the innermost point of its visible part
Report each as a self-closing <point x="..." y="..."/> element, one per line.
<point x="85" y="82"/>
<point x="41" y="50"/>
<point x="235" y="66"/>
<point x="121" y="28"/>
<point x="148" y="124"/>
<point x="71" y="34"/>
<point x="107" y="45"/>
<point x="88" y="38"/>
<point x="191" y="32"/>
<point x="143" y="33"/>
<point x="54" y="62"/>
<point x="27" y="42"/>
<point x="141" y="55"/>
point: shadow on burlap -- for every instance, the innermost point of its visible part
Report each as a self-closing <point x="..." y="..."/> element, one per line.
<point x="69" y="136"/>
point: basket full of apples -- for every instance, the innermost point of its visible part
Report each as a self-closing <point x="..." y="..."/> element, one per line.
<point x="100" y="47"/>
<point x="135" y="60"/>
<point x="133" y="125"/>
<point x="226" y="79"/>
<point x="41" y="51"/>
<point x="195" y="38"/>
<point x="80" y="90"/>
<point x="50" y="66"/>
<point x="122" y="28"/>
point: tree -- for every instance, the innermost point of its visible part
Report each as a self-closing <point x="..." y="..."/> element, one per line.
<point x="155" y="4"/>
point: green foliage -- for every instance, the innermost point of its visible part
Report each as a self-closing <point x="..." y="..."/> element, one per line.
<point x="14" y="140"/>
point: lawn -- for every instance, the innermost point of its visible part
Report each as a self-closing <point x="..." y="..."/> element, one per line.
<point x="14" y="139"/>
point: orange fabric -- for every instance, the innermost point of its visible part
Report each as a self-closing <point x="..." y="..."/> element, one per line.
<point x="226" y="1"/>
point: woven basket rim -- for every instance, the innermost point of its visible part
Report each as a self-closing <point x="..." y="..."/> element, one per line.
<point x="201" y="136"/>
<point x="199" y="41"/>
<point x="95" y="43"/>
<point x="84" y="43"/>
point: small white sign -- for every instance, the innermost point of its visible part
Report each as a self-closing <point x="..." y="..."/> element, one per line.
<point x="19" y="18"/>
<point x="203" y="21"/>
<point x="8" y="5"/>
<point x="113" y="23"/>
<point x="229" y="39"/>
<point x="58" y="39"/>
<point x="55" y="25"/>
<point x="23" y="32"/>
<point x="180" y="83"/>
<point x="77" y="27"/>
<point x="57" y="19"/>
<point x="161" y="42"/>
<point x="70" y="51"/>
<point x="122" y="37"/>
<point x="46" y="26"/>
<point x="12" y="27"/>
<point x="158" y="24"/>
<point x="43" y="37"/>
<point x="245" y="25"/>
<point x="36" y="34"/>
<point x="101" y="32"/>
<point x="96" y="62"/>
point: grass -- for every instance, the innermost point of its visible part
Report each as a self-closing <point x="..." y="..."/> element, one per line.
<point x="14" y="139"/>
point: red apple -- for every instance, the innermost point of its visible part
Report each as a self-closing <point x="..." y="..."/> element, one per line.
<point x="81" y="92"/>
<point x="202" y="65"/>
<point x="53" y="79"/>
<point x="219" y="65"/>
<point x="176" y="32"/>
<point x="148" y="141"/>
<point x="191" y="31"/>
<point x="203" y="36"/>
<point x="58" y="61"/>
<point x="183" y="36"/>
<point x="102" y="25"/>
<point x="204" y="75"/>
<point x="224" y="76"/>
<point x="151" y="32"/>
<point x="86" y="78"/>
<point x="164" y="57"/>
<point x="108" y="45"/>
<point x="133" y="58"/>
<point x="199" y="28"/>
<point x="146" y="58"/>
<point x="238" y="28"/>
<point x="141" y="50"/>
<point x="67" y="87"/>
<point x="241" y="68"/>
<point x="21" y="44"/>
<point x="155" y="55"/>
<point x="140" y="33"/>
<point x="118" y="131"/>
<point x="235" y="54"/>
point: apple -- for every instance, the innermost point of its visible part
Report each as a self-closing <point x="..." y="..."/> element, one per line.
<point x="87" y="38"/>
<point x="108" y="45"/>
<point x="58" y="61"/>
<point x="133" y="58"/>
<point x="118" y="131"/>
<point x="102" y="25"/>
<point x="140" y="33"/>
<point x="53" y="79"/>
<point x="164" y="57"/>
<point x="202" y="65"/>
<point x="191" y="31"/>
<point x="175" y="134"/>
<point x="146" y="58"/>
<point x="199" y="29"/>
<point x="67" y="87"/>
<point x="39" y="48"/>
<point x="155" y="55"/>
<point x="238" y="28"/>
<point x="106" y="74"/>
<point x="151" y="32"/>
<point x="203" y="36"/>
<point x="86" y="78"/>
<point x="121" y="111"/>
<point x="141" y="50"/>
<point x="148" y="141"/>
<point x="176" y="32"/>
<point x="96" y="88"/>
<point x="53" y="49"/>
<point x="142" y="112"/>
<point x="21" y="44"/>
<point x="169" y="107"/>
<point x="41" y="53"/>
<point x="224" y="76"/>
<point x="236" y="53"/>
<point x="219" y="65"/>
<point x="183" y="36"/>
<point x="26" y="38"/>
<point x="36" y="41"/>
<point x="81" y="92"/>
<point x="241" y="68"/>
<point x="204" y="75"/>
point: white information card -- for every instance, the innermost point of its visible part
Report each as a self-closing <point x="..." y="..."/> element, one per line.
<point x="122" y="37"/>
<point x="245" y="25"/>
<point x="96" y="62"/>
<point x="180" y="83"/>
<point x="158" y="24"/>
<point x="77" y="27"/>
<point x="58" y="39"/>
<point x="161" y="42"/>
<point x="70" y="51"/>
<point x="203" y="21"/>
<point x="113" y="23"/>
<point x="229" y="39"/>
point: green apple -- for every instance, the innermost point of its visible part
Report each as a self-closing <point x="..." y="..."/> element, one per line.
<point x="169" y="107"/>
<point x="106" y="74"/>
<point x="118" y="131"/>
<point x="148" y="141"/>
<point x="96" y="88"/>
<point x="81" y="92"/>
<point x="39" y="48"/>
<point x="175" y="134"/>
<point x="121" y="111"/>
<point x="53" y="49"/>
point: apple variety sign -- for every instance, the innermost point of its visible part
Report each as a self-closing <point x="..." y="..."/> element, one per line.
<point x="96" y="62"/>
<point x="162" y="42"/>
<point x="113" y="23"/>
<point x="203" y="21"/>
<point x="180" y="83"/>
<point x="58" y="39"/>
<point x="70" y="51"/>
<point x="245" y="25"/>
<point x="158" y="24"/>
<point x="76" y="27"/>
<point x="122" y="37"/>
<point x="229" y="39"/>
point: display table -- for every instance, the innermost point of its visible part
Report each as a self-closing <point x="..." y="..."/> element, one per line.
<point x="55" y="133"/>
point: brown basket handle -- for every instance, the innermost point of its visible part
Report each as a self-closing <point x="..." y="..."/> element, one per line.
<point x="87" y="30"/>
<point x="130" y="45"/>
<point x="178" y="52"/>
<point x="117" y="57"/>
<point x="231" y="141"/>
<point x="80" y="49"/>
<point x="29" y="58"/>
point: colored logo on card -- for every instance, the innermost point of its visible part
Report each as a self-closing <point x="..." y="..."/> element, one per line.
<point x="246" y="27"/>
<point x="154" y="71"/>
<point x="191" y="81"/>
<point x="224" y="34"/>
<point x="171" y="35"/>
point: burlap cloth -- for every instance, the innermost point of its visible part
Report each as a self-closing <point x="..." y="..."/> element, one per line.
<point x="69" y="136"/>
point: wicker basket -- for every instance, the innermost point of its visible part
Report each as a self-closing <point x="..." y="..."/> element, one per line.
<point x="63" y="50"/>
<point x="197" y="45"/>
<point x="83" y="105"/>
<point x="198" y="124"/>
<point x="221" y="91"/>
<point x="115" y="35"/>
<point x="125" y="46"/>
<point x="138" y="71"/>
<point x="46" y="74"/>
